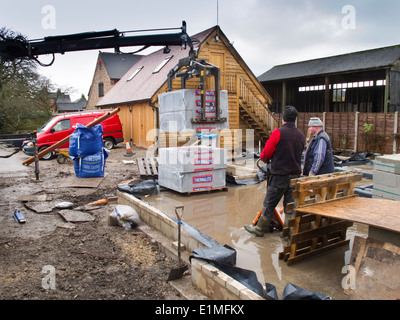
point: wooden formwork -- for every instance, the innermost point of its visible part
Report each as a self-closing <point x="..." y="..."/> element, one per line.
<point x="312" y="234"/>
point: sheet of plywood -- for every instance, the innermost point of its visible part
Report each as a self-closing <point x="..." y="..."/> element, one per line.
<point x="75" y="216"/>
<point x="380" y="213"/>
<point x="75" y="182"/>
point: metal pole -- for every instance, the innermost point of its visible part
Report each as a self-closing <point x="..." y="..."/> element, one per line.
<point x="35" y="146"/>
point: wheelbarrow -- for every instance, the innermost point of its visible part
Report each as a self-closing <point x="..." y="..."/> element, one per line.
<point x="62" y="156"/>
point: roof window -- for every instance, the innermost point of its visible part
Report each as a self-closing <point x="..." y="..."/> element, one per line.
<point x="135" y="73"/>
<point x="162" y="64"/>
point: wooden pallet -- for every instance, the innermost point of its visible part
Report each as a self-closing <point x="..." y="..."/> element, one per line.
<point x="312" y="234"/>
<point x="148" y="167"/>
<point x="206" y="191"/>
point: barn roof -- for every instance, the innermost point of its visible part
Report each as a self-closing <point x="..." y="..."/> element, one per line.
<point x="141" y="82"/>
<point x="357" y="61"/>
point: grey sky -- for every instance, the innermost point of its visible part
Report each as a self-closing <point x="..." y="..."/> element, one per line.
<point x="264" y="32"/>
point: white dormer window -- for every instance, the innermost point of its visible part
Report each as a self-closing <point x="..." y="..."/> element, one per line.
<point x="162" y="64"/>
<point x="135" y="73"/>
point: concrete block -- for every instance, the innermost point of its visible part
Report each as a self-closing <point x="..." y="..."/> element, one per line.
<point x="177" y="108"/>
<point x="210" y="270"/>
<point x="385" y="178"/>
<point x="388" y="163"/>
<point x="385" y="192"/>
<point x="248" y="294"/>
<point x="175" y="101"/>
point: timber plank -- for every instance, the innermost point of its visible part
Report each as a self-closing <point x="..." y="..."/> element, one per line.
<point x="379" y="213"/>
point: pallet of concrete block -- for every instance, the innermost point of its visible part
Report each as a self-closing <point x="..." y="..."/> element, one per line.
<point x="387" y="177"/>
<point x="178" y="108"/>
<point x="192" y="159"/>
<point x="192" y="169"/>
<point x="192" y="182"/>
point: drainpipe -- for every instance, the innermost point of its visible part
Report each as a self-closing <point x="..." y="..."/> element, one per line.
<point x="157" y="120"/>
<point x="130" y="123"/>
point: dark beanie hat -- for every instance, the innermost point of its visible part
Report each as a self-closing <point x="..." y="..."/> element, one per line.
<point x="290" y="114"/>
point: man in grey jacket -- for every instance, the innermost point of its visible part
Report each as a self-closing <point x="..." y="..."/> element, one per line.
<point x="318" y="158"/>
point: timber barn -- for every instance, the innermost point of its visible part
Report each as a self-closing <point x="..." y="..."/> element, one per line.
<point x="347" y="92"/>
<point x="136" y="94"/>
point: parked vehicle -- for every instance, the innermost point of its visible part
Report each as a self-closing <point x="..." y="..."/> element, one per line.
<point x="63" y="125"/>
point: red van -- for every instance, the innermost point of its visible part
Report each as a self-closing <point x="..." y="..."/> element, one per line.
<point x="63" y="125"/>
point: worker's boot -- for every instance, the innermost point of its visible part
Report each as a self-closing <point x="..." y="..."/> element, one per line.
<point x="262" y="226"/>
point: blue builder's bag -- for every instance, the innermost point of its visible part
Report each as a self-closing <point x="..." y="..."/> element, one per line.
<point x="91" y="166"/>
<point x="85" y="141"/>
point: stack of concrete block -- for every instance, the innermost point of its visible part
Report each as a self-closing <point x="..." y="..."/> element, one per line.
<point x="387" y="177"/>
<point x="192" y="169"/>
<point x="177" y="108"/>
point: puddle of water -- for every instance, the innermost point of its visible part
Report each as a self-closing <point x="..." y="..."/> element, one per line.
<point x="222" y="215"/>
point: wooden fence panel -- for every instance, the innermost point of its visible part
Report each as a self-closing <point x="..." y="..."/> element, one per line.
<point x="347" y="131"/>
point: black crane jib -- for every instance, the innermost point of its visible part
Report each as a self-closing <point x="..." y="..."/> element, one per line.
<point x="20" y="48"/>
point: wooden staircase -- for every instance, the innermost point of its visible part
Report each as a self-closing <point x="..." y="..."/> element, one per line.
<point x="252" y="111"/>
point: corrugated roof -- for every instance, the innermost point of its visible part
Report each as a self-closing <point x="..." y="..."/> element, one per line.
<point x="117" y="64"/>
<point x="146" y="83"/>
<point x="357" y="61"/>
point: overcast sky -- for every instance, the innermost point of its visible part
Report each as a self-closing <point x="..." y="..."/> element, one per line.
<point x="264" y="32"/>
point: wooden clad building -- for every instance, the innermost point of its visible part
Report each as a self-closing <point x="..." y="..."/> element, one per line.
<point x="136" y="94"/>
<point x="365" y="81"/>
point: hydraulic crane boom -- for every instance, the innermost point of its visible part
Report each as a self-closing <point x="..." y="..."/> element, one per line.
<point x="20" y="48"/>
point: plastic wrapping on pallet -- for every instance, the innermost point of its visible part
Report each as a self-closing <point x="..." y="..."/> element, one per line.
<point x="192" y="159"/>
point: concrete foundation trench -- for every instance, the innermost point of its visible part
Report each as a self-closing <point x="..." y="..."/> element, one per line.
<point x="216" y="219"/>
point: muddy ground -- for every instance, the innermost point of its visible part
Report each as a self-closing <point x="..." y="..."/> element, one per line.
<point x="86" y="260"/>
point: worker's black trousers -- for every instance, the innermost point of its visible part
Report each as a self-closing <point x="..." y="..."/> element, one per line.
<point x="278" y="187"/>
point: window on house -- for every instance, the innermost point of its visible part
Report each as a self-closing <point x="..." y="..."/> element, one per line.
<point x="162" y="64"/>
<point x="101" y="89"/>
<point x="134" y="73"/>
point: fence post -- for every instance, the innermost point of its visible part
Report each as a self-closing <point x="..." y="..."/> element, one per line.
<point x="356" y="131"/>
<point x="396" y="124"/>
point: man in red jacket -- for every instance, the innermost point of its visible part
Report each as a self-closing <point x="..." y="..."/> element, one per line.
<point x="284" y="148"/>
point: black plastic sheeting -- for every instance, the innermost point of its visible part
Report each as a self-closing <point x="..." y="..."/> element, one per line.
<point x="356" y="159"/>
<point x="364" y="191"/>
<point x="224" y="258"/>
<point x="293" y="292"/>
<point x="140" y="188"/>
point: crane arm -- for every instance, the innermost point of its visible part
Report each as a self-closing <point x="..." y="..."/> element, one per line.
<point x="20" y="48"/>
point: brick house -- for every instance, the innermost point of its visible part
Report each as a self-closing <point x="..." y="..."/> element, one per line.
<point x="110" y="67"/>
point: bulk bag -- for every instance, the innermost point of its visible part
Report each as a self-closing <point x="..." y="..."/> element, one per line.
<point x="91" y="166"/>
<point x="86" y="141"/>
